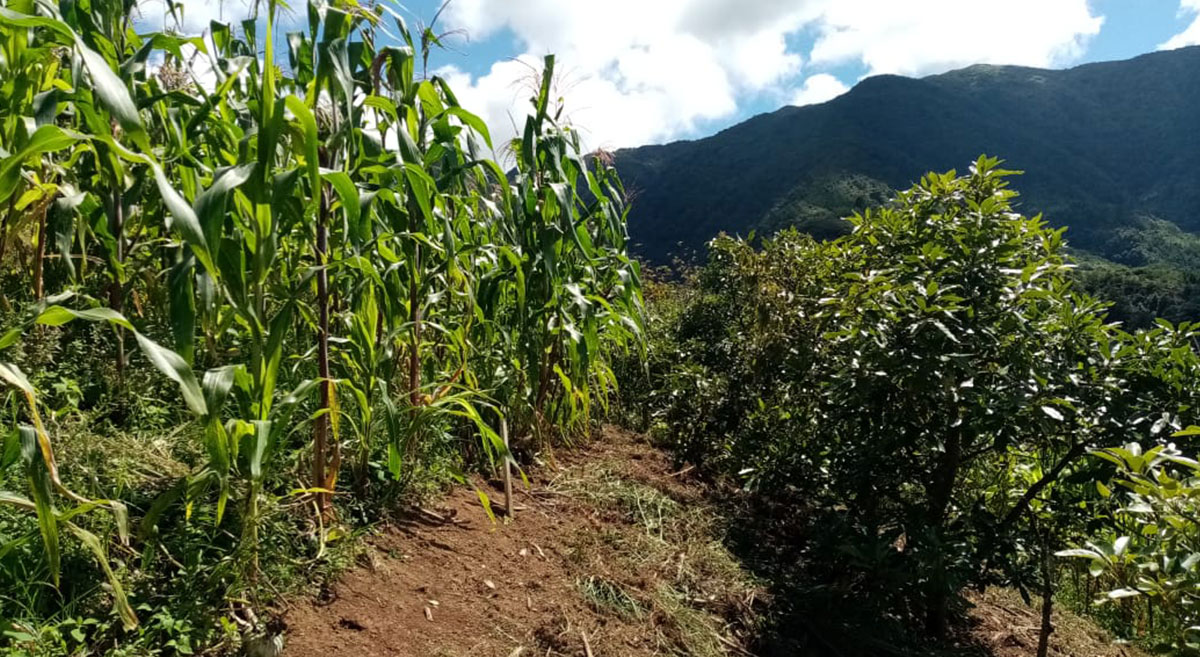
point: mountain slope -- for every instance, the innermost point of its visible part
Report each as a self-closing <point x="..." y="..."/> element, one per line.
<point x="1103" y="146"/>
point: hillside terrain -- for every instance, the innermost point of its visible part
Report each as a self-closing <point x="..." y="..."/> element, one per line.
<point x="613" y="551"/>
<point x="272" y="351"/>
<point x="1109" y="149"/>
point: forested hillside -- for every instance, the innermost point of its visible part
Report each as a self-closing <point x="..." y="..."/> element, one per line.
<point x="1110" y="150"/>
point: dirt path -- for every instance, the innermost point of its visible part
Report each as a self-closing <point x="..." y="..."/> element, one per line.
<point x="609" y="554"/>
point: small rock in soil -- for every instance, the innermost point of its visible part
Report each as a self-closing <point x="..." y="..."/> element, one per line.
<point x="351" y="624"/>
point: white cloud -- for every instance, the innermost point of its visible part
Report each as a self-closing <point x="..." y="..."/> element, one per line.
<point x="1190" y="36"/>
<point x="638" y="71"/>
<point x="632" y="71"/>
<point x="818" y="89"/>
<point x="196" y="14"/>
<point x="933" y="36"/>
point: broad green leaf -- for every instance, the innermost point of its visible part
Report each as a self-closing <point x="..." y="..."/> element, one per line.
<point x="46" y="139"/>
<point x="113" y="94"/>
<point x="473" y="121"/>
<point x="59" y="315"/>
<point x="13" y="375"/>
<point x="182" y="305"/>
<point x="347" y="195"/>
<point x="37" y="473"/>
<point x="176" y="368"/>
<point x="120" y="601"/>
<point x="182" y="218"/>
<point x="311" y="141"/>
<point x="13" y="499"/>
<point x="211" y="203"/>
<point x="216" y="385"/>
<point x="260" y="445"/>
<point x="1054" y="413"/>
<point x="17" y="19"/>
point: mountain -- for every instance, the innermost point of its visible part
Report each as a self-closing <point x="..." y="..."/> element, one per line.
<point x="1108" y="149"/>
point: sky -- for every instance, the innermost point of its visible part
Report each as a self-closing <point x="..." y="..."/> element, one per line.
<point x="635" y="72"/>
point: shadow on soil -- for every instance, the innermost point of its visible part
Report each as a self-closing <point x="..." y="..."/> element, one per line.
<point x="821" y="607"/>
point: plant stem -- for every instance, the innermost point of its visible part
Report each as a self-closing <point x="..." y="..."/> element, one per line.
<point x="321" y="426"/>
<point x="508" y="503"/>
<point x="115" y="290"/>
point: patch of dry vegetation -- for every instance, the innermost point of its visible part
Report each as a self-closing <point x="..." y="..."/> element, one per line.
<point x="674" y="569"/>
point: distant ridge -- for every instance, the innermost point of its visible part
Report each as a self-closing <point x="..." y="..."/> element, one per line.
<point x="1104" y="147"/>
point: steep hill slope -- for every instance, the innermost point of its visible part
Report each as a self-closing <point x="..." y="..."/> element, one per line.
<point x="1103" y="146"/>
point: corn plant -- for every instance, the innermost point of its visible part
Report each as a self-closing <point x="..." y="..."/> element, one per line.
<point x="312" y="243"/>
<point x="563" y="291"/>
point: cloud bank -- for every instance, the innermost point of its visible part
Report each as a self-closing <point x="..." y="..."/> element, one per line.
<point x="644" y="71"/>
<point x="635" y="72"/>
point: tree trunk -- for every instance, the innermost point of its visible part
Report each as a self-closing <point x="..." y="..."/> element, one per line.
<point x="1047" y="600"/>
<point x="941" y="489"/>
<point x="321" y="426"/>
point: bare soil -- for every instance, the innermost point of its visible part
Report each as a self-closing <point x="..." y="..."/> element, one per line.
<point x="612" y="552"/>
<point x="448" y="581"/>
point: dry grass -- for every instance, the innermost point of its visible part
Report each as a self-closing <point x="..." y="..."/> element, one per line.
<point x="1002" y="625"/>
<point x="675" y="568"/>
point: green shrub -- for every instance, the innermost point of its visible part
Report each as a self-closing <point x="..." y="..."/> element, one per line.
<point x="1149" y="546"/>
<point x="920" y="389"/>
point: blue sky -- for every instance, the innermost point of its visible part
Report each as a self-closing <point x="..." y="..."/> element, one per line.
<point x="651" y="71"/>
